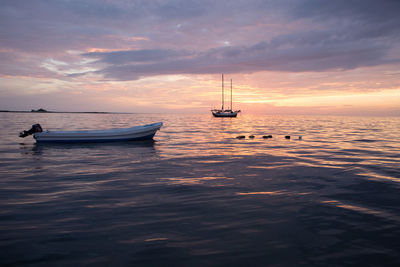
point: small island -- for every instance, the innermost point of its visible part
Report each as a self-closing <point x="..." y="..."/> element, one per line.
<point x="39" y="110"/>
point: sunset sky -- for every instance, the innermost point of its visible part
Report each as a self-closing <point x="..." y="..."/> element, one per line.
<point x="284" y="56"/>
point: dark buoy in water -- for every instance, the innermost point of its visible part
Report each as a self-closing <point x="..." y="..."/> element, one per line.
<point x="251" y="136"/>
<point x="240" y="137"/>
<point x="267" y="136"/>
<point x="287" y="136"/>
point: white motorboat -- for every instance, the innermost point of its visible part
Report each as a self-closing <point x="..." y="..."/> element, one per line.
<point x="144" y="132"/>
<point x="225" y="112"/>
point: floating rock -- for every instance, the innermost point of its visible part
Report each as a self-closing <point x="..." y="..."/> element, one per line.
<point x="251" y="136"/>
<point x="240" y="137"/>
<point x="287" y="136"/>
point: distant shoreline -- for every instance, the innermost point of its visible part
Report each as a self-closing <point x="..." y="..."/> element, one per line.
<point x="77" y="112"/>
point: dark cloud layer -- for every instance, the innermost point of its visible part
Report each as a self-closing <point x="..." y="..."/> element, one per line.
<point x="187" y="36"/>
<point x="314" y="51"/>
<point x="360" y="18"/>
<point x="146" y="55"/>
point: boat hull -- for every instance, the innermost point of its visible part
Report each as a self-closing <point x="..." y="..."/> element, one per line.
<point x="224" y="114"/>
<point x="137" y="133"/>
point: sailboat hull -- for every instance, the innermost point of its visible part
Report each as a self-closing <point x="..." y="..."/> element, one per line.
<point x="224" y="114"/>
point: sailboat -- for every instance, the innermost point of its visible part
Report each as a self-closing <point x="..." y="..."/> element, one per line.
<point x="225" y="112"/>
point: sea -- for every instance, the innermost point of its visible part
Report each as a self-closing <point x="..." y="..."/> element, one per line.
<point x="198" y="196"/>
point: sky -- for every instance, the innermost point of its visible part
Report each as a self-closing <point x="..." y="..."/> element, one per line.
<point x="338" y="57"/>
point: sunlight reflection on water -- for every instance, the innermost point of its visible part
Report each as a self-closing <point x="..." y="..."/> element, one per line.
<point x="197" y="195"/>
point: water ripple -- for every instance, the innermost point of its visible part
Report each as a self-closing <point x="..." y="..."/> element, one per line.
<point x="198" y="196"/>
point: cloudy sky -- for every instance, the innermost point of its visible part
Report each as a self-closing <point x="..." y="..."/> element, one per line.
<point x="284" y="56"/>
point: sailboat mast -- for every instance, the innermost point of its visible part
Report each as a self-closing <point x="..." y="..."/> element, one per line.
<point x="222" y="92"/>
<point x="231" y="95"/>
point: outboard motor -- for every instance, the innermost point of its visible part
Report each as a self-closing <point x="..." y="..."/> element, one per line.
<point x="36" y="128"/>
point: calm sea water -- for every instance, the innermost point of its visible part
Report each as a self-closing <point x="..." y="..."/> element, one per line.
<point x="197" y="196"/>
